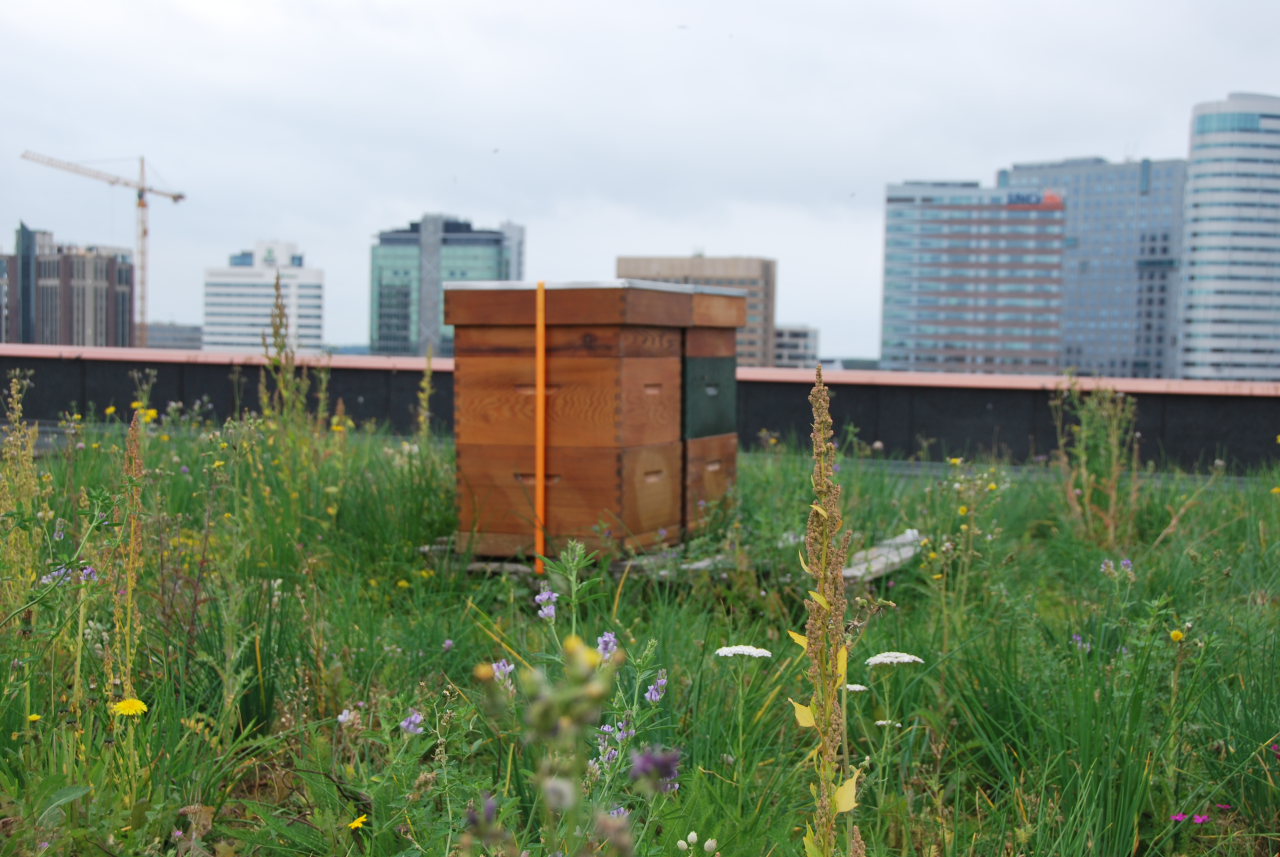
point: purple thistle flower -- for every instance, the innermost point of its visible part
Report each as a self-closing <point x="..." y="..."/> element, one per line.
<point x="177" y="834"/>
<point x="185" y="469"/>
<point x="448" y="644"/>
<point x="606" y="644"/>
<point x="413" y="723"/>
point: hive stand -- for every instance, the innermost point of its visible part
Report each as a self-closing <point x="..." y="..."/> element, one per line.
<point x="616" y="411"/>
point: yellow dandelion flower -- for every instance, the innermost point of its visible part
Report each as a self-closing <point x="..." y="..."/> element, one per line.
<point x="111" y="409"/>
<point x="1276" y="490"/>
<point x="96" y="446"/>
<point x="373" y="582"/>
<point x="955" y="462"/>
<point x="224" y="514"/>
<point x="932" y="555"/>
<point x="963" y="510"/>
<point x="338" y="427"/>
<point x="218" y="464"/>
<point x="222" y="446"/>
<point x="358" y="823"/>
<point x="135" y="405"/>
<point x="937" y="577"/>
<point x="164" y="437"/>
<point x="129" y="707"/>
<point x="1175" y="635"/>
<point x="332" y="510"/>
<point x="403" y="584"/>
<point x="33" y="718"/>
<point x="991" y="487"/>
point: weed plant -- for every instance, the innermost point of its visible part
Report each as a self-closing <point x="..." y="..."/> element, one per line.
<point x="322" y="675"/>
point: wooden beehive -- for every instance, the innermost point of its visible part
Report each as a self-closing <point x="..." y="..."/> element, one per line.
<point x="710" y="404"/>
<point x="616" y="457"/>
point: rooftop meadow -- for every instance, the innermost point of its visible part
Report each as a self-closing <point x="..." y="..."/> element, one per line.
<point x="256" y="637"/>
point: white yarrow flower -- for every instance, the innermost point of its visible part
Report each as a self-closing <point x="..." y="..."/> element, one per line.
<point x="888" y="723"/>
<point x="891" y="659"/>
<point x="856" y="688"/>
<point x="749" y="651"/>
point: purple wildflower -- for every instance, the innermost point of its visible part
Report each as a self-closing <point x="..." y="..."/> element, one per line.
<point x="80" y="445"/>
<point x="835" y="468"/>
<point x="1199" y="819"/>
<point x="619" y="812"/>
<point x="655" y="762"/>
<point x="184" y="469"/>
<point x="448" y="644"/>
<point x="58" y="577"/>
<point x="413" y="723"/>
<point x="546" y="599"/>
<point x="662" y="532"/>
<point x="606" y="644"/>
<point x="1180" y="816"/>
<point x="657" y="689"/>
<point x="1126" y="564"/>
<point x="502" y="669"/>
<point x="87" y="574"/>
<point x="1223" y="805"/>
<point x="177" y="834"/>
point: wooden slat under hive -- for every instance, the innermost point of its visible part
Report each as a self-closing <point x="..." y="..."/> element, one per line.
<point x="633" y="493"/>
<point x="710" y="469"/>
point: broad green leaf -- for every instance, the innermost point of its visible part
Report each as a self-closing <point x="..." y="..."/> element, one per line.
<point x="60" y="797"/>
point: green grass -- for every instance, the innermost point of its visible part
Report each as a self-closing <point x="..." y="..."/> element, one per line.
<point x="1053" y="713"/>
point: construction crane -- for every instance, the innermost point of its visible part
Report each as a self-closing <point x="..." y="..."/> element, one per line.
<point x="141" y="187"/>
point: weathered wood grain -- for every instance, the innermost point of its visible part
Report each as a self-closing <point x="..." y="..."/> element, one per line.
<point x="571" y="341"/>
<point x="710" y="469"/>
<point x="710" y="342"/>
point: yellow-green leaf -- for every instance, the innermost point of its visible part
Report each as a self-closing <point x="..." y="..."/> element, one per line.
<point x="804" y="715"/>
<point x="847" y="794"/>
<point x="821" y="511"/>
<point x="811" y="847"/>
<point x="800" y="554"/>
<point x="801" y="640"/>
<point x="817" y="596"/>
<point x="842" y="663"/>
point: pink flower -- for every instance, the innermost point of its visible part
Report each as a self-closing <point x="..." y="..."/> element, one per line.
<point x="1200" y="819"/>
<point x="1223" y="805"/>
<point x="1181" y="816"/>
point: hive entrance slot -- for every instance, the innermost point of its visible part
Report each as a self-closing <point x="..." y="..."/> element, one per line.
<point x="530" y="389"/>
<point x="653" y="389"/>
<point x="713" y="465"/>
<point x="652" y="475"/>
<point x="531" y="478"/>
<point x="713" y="389"/>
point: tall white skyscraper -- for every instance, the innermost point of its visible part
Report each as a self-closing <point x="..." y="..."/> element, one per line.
<point x="238" y="299"/>
<point x="1230" y="306"/>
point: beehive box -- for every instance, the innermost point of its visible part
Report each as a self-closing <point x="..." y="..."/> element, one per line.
<point x="710" y="417"/>
<point x="616" y="410"/>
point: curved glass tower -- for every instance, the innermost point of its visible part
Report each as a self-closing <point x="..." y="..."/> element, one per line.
<point x="1230" y="304"/>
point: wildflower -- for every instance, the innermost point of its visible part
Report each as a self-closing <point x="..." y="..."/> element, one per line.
<point x="955" y="462"/>
<point x="749" y="651"/>
<point x="1180" y="816"/>
<point x="413" y="723"/>
<point x="657" y="768"/>
<point x="358" y="822"/>
<point x="111" y="409"/>
<point x="888" y="723"/>
<point x="80" y="445"/>
<point x="682" y="845"/>
<point x="962" y="511"/>
<point x="135" y="405"/>
<point x="403" y="584"/>
<point x="502" y="669"/>
<point x="33" y="718"/>
<point x="184" y="469"/>
<point x="619" y="812"/>
<point x="991" y="486"/>
<point x="176" y="835"/>
<point x="662" y="532"/>
<point x="447" y="645"/>
<point x="856" y="688"/>
<point x="693" y="838"/>
<point x="345" y="717"/>
<point x="606" y="644"/>
<point x="218" y="464"/>
<point x="546" y="601"/>
<point x="891" y="659"/>
<point x="129" y="707"/>
<point x="1199" y="819"/>
<point x="1223" y="805"/>
<point x="1276" y="490"/>
<point x="1108" y="569"/>
<point x="709" y="846"/>
<point x="1175" y="635"/>
<point x="55" y="577"/>
<point x="657" y="689"/>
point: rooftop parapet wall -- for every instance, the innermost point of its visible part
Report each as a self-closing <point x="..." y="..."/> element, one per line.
<point x="1187" y="421"/>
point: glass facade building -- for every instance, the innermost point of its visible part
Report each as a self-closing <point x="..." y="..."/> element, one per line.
<point x="1120" y="267"/>
<point x="972" y="278"/>
<point x="408" y="270"/>
<point x="1230" y="306"/>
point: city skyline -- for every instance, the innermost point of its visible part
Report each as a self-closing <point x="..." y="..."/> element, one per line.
<point x="305" y="121"/>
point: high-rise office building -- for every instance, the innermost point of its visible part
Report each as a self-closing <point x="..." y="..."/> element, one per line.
<point x="409" y="268"/>
<point x="1123" y="243"/>
<point x="757" y="276"/>
<point x="183" y="337"/>
<point x="795" y="346"/>
<point x="62" y="294"/>
<point x="1230" y="306"/>
<point x="972" y="278"/>
<point x="239" y="298"/>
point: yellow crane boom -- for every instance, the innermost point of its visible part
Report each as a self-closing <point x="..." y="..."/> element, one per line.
<point x="143" y="189"/>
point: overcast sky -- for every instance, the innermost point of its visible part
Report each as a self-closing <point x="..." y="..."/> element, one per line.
<point x="734" y="127"/>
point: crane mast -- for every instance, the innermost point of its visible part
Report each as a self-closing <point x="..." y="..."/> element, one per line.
<point x="143" y="230"/>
